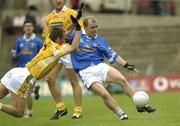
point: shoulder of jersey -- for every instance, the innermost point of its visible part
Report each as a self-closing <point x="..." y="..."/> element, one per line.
<point x="50" y="15"/>
<point x="72" y="11"/>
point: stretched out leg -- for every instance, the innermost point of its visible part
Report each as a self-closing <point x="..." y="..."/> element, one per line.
<point x="108" y="99"/>
<point x="115" y="76"/>
<point x="16" y="108"/>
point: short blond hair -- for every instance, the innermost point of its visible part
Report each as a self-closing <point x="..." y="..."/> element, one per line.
<point x="87" y="19"/>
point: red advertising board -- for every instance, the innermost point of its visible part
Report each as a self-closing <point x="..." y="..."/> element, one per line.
<point x="161" y="83"/>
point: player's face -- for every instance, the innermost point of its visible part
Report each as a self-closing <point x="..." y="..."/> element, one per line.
<point x="58" y="4"/>
<point x="28" y="28"/>
<point x="91" y="29"/>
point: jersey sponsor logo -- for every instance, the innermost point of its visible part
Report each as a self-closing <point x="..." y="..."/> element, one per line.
<point x="56" y="24"/>
<point x="26" y="51"/>
<point x="86" y="48"/>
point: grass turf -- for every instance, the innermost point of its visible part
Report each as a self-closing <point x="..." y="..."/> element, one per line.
<point x="96" y="114"/>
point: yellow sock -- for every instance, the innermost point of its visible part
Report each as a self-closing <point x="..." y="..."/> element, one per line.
<point x="78" y="110"/>
<point x="60" y="106"/>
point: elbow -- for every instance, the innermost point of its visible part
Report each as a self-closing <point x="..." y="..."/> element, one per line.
<point x="73" y="49"/>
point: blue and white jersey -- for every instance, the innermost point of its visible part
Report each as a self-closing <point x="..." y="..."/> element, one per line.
<point x="91" y="51"/>
<point x="25" y="49"/>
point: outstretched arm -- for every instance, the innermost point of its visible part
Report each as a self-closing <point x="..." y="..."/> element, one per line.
<point x="76" y="39"/>
<point x="121" y="61"/>
<point x="132" y="70"/>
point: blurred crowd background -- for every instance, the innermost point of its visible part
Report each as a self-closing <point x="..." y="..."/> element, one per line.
<point x="14" y="12"/>
<point x="144" y="32"/>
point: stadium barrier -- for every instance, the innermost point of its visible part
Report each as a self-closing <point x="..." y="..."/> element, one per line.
<point x="156" y="83"/>
<point x="150" y="83"/>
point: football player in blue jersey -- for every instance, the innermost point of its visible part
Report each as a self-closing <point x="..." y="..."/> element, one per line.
<point x="25" y="48"/>
<point x="88" y="62"/>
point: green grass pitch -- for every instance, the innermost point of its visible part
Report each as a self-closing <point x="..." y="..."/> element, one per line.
<point x="96" y="114"/>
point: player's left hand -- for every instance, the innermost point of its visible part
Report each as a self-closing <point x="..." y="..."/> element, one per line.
<point x="79" y="15"/>
<point x="75" y="23"/>
<point x="131" y="69"/>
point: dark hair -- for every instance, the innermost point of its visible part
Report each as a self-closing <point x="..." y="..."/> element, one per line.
<point x="28" y="21"/>
<point x="33" y="8"/>
<point x="56" y="33"/>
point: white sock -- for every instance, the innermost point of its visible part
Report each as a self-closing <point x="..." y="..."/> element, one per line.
<point x="118" y="111"/>
<point x="29" y="112"/>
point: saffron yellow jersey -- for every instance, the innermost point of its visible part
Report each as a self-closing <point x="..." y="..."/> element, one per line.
<point x="61" y="20"/>
<point x="46" y="59"/>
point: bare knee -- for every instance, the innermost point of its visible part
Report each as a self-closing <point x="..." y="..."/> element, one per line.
<point x="74" y="83"/>
<point x="124" y="81"/>
<point x="19" y="114"/>
<point x="51" y="81"/>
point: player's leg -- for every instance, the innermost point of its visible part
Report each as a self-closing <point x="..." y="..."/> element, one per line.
<point x="115" y="76"/>
<point x="12" y="81"/>
<point x="16" y="108"/>
<point x="51" y="80"/>
<point x="28" y="113"/>
<point x="109" y="101"/>
<point x="36" y="92"/>
<point x="3" y="91"/>
<point x="77" y="92"/>
<point x="93" y="78"/>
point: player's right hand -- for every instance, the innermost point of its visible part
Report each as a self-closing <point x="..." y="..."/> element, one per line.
<point x="75" y="23"/>
<point x="131" y="69"/>
<point x="79" y="15"/>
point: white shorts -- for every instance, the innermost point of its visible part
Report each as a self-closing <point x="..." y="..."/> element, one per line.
<point x="14" y="78"/>
<point x="66" y="60"/>
<point x="95" y="73"/>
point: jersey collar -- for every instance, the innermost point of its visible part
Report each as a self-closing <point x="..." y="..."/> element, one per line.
<point x="63" y="9"/>
<point x="31" y="38"/>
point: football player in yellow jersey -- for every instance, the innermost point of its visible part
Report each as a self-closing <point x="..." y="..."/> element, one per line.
<point x="59" y="17"/>
<point x="18" y="80"/>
